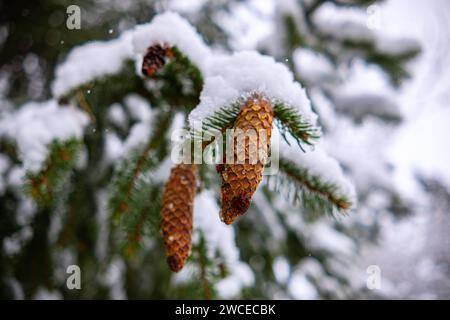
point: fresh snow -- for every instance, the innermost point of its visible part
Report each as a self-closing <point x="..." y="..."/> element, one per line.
<point x="301" y="288"/>
<point x="396" y="46"/>
<point x="221" y="238"/>
<point x="281" y="269"/>
<point x="171" y="29"/>
<point x="36" y="125"/>
<point x="232" y="78"/>
<point x="91" y="61"/>
<point x="138" y="107"/>
<point x="342" y="23"/>
<point x="324" y="237"/>
<point x="141" y="111"/>
<point x="366" y="91"/>
<point x="314" y="68"/>
<point x="113" y="148"/>
<point x="117" y="115"/>
<point x="139" y="134"/>
<point x="318" y="163"/>
<point x="351" y="23"/>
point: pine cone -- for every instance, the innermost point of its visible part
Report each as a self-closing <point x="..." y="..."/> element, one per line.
<point x="176" y="212"/>
<point x="240" y="179"/>
<point x="155" y="59"/>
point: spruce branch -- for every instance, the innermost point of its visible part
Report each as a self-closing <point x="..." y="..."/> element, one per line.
<point x="124" y="180"/>
<point x="179" y="81"/>
<point x="108" y="89"/>
<point x="45" y="185"/>
<point x="177" y="84"/>
<point x="289" y="120"/>
<point x="315" y="195"/>
<point x="294" y="38"/>
<point x="146" y="201"/>
<point x="123" y="186"/>
<point x="217" y="124"/>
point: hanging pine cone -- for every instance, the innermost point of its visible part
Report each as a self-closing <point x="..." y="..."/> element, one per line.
<point x="240" y="179"/>
<point x="176" y="212"/>
<point x="155" y="59"/>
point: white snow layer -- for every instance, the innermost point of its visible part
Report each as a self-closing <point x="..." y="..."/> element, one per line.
<point x="90" y="61"/>
<point x="351" y="23"/>
<point x="219" y="238"/>
<point x="234" y="77"/>
<point x="314" y="67"/>
<point x="100" y="58"/>
<point x="36" y="125"/>
<point x="318" y="163"/>
<point x="342" y="23"/>
<point x="171" y="29"/>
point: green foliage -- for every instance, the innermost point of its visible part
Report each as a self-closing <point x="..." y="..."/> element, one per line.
<point x="144" y="219"/>
<point x="294" y="39"/>
<point x="180" y="82"/>
<point x="45" y="186"/>
<point x="124" y="186"/>
<point x="310" y="191"/>
<point x="287" y="119"/>
<point x="217" y="124"/>
<point x="290" y="120"/>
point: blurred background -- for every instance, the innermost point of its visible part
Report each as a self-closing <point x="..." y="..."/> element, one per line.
<point x="378" y="76"/>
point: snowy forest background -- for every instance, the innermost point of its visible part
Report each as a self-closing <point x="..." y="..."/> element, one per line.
<point x="378" y="76"/>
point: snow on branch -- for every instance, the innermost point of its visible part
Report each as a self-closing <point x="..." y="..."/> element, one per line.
<point x="139" y="158"/>
<point x="314" y="68"/>
<point x="91" y="61"/>
<point x="170" y="29"/>
<point x="36" y="125"/>
<point x="350" y="24"/>
<point x="318" y="179"/>
<point x="233" y="79"/>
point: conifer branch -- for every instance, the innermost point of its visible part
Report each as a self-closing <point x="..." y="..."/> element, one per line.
<point x="287" y="119"/>
<point x="216" y="124"/>
<point x="180" y="80"/>
<point x="290" y="121"/>
<point x="45" y="185"/>
<point x="124" y="184"/>
<point x="146" y="201"/>
<point x="107" y="89"/>
<point x="315" y="195"/>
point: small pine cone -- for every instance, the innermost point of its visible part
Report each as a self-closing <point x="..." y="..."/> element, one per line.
<point x="176" y="212"/>
<point x="155" y="59"/>
<point x="241" y="178"/>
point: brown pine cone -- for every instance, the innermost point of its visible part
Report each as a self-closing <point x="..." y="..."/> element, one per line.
<point x="176" y="212"/>
<point x="155" y="59"/>
<point x="240" y="179"/>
